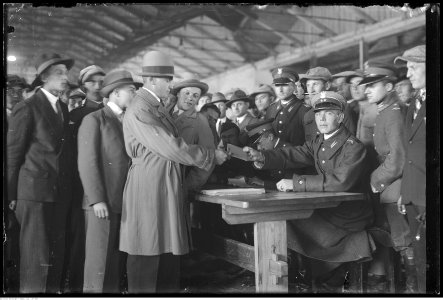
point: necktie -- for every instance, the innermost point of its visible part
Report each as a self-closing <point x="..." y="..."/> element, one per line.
<point x="59" y="110"/>
<point x="418" y="102"/>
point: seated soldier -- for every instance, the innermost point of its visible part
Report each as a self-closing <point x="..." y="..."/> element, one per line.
<point x="331" y="237"/>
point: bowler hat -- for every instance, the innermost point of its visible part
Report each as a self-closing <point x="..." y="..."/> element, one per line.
<point x="88" y="72"/>
<point x="189" y="81"/>
<point x="218" y="97"/>
<point x="256" y="130"/>
<point x="317" y="73"/>
<point x="238" y="95"/>
<point x="115" y="79"/>
<point x="157" y="64"/>
<point x="328" y="100"/>
<point x="378" y="71"/>
<point x="284" y="75"/>
<point x="416" y="54"/>
<point x="262" y="88"/>
<point x="45" y="61"/>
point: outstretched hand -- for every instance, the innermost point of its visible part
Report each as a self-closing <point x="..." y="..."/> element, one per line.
<point x="254" y="155"/>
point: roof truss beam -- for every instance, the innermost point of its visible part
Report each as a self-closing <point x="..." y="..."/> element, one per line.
<point x="295" y="11"/>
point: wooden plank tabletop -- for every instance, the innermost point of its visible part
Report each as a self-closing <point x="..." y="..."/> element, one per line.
<point x="275" y="198"/>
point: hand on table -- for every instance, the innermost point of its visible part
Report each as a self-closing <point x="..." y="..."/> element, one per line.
<point x="285" y="185"/>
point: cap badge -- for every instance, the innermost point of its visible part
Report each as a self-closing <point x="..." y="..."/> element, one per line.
<point x="279" y="71"/>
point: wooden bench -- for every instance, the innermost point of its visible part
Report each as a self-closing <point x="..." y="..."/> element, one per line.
<point x="268" y="212"/>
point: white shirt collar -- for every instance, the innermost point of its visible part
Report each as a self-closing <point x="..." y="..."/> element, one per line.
<point x="52" y="99"/>
<point x="152" y="93"/>
<point x="240" y="119"/>
<point x="222" y="120"/>
<point x="115" y="108"/>
<point x="328" y="135"/>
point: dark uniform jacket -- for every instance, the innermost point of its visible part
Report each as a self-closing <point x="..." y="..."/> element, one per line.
<point x="331" y="234"/>
<point x="311" y="130"/>
<point x="39" y="152"/>
<point x="102" y="160"/>
<point x="288" y="120"/>
<point x="389" y="144"/>
<point x="341" y="165"/>
<point x="243" y="135"/>
<point x="413" y="188"/>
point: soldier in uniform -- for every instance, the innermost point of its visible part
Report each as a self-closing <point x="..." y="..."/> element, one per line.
<point x="287" y="111"/>
<point x="90" y="81"/>
<point x="386" y="178"/>
<point x="413" y="186"/>
<point x="331" y="236"/>
<point x="318" y="79"/>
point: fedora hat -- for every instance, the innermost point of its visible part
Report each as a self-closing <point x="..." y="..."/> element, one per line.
<point x="115" y="79"/>
<point x="261" y="89"/>
<point x="190" y="80"/>
<point x="157" y="64"/>
<point x="218" y="97"/>
<point x="238" y="95"/>
<point x="47" y="60"/>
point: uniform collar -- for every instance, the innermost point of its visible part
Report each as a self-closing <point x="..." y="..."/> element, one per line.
<point x="388" y="100"/>
<point x="327" y="136"/>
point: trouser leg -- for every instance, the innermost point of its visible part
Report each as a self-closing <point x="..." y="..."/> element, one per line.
<point x="142" y="273"/>
<point x="419" y="244"/>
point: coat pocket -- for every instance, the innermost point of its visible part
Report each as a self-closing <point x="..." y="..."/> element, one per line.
<point x="391" y="193"/>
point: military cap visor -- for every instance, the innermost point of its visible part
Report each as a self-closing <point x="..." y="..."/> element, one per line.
<point x="284" y="75"/>
<point x="256" y="130"/>
<point x="328" y="100"/>
<point x="376" y="74"/>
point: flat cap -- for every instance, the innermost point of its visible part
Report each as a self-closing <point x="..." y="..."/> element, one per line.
<point x="328" y="100"/>
<point x="416" y="54"/>
<point x="317" y="73"/>
<point x="378" y="71"/>
<point x="88" y="72"/>
<point x="262" y="88"/>
<point x="77" y="93"/>
<point x="284" y="75"/>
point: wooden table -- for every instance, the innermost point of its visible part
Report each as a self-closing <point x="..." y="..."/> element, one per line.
<point x="269" y="212"/>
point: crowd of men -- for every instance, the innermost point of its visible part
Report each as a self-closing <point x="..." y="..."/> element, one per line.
<point x="100" y="173"/>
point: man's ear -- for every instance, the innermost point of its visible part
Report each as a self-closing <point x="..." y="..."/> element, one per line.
<point x="341" y="117"/>
<point x="389" y="86"/>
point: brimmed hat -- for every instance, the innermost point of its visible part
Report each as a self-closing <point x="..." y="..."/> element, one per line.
<point x="284" y="75"/>
<point x="261" y="89"/>
<point x="377" y="71"/>
<point x="218" y="97"/>
<point x="210" y="106"/>
<point x="238" y="95"/>
<point x="15" y="80"/>
<point x="355" y="73"/>
<point x="88" y="72"/>
<point x="77" y="93"/>
<point x="256" y="130"/>
<point x="317" y="73"/>
<point x="157" y="64"/>
<point x="343" y="74"/>
<point x="115" y="79"/>
<point x="328" y="100"/>
<point x="189" y="81"/>
<point x="416" y="54"/>
<point x="47" y="60"/>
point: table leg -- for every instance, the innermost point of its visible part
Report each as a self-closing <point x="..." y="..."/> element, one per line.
<point x="271" y="267"/>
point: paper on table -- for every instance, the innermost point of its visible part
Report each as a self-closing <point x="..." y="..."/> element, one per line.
<point x="237" y="152"/>
<point x="239" y="191"/>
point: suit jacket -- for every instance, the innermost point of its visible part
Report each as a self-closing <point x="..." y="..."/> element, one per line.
<point x="389" y="144"/>
<point x="288" y="121"/>
<point x="413" y="187"/>
<point x="39" y="152"/>
<point x="102" y="160"/>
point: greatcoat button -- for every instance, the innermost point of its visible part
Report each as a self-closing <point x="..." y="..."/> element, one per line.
<point x="322" y="161"/>
<point x="301" y="182"/>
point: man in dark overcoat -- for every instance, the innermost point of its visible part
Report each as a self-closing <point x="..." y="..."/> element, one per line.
<point x="331" y="236"/>
<point x="39" y="167"/>
<point x="413" y="187"/>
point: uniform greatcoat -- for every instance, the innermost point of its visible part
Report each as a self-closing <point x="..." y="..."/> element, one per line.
<point x="153" y="214"/>
<point x="332" y="234"/>
<point x="288" y="120"/>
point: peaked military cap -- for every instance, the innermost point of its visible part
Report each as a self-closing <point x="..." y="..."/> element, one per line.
<point x="284" y="75"/>
<point x="377" y="71"/>
<point x="256" y="130"/>
<point x="328" y="100"/>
